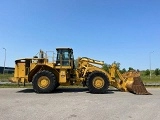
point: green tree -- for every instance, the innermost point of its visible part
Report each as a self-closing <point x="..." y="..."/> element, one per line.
<point x="130" y="68"/>
<point x="106" y="67"/>
<point x="123" y="70"/>
<point x="147" y="72"/>
<point x="117" y="64"/>
<point x="157" y="71"/>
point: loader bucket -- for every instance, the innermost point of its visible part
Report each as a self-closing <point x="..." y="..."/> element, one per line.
<point x="136" y="86"/>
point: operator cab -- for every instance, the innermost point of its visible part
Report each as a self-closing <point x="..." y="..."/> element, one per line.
<point x="65" y="57"/>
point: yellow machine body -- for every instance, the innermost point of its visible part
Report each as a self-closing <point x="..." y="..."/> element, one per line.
<point x="47" y="75"/>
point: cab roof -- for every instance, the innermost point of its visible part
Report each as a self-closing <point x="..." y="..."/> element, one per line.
<point x="63" y="48"/>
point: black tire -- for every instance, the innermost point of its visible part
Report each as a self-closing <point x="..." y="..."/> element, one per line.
<point x="46" y="76"/>
<point x="57" y="85"/>
<point x="103" y="84"/>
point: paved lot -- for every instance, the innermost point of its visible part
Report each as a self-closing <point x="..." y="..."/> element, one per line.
<point x="77" y="104"/>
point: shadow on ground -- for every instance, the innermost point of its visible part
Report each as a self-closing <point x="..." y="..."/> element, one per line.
<point x="66" y="90"/>
<point x="58" y="90"/>
<point x="26" y="90"/>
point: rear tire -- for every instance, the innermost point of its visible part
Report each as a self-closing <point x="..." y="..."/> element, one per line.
<point x="44" y="82"/>
<point x="97" y="82"/>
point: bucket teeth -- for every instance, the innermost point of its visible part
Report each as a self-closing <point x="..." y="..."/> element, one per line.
<point x="140" y="90"/>
<point x="138" y="87"/>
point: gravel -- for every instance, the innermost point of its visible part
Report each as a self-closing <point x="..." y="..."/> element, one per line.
<point x="78" y="104"/>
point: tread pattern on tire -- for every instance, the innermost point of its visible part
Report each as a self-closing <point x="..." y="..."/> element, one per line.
<point x="89" y="82"/>
<point x="52" y="78"/>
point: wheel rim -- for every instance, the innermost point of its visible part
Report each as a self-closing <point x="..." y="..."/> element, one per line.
<point x="43" y="82"/>
<point x="98" y="82"/>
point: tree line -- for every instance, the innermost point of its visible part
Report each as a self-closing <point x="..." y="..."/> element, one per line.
<point x="146" y="72"/>
<point x="156" y="71"/>
<point x="107" y="66"/>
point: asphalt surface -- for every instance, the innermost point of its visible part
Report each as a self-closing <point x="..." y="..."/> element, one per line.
<point x="78" y="104"/>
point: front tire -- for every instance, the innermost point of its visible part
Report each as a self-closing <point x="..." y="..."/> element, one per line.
<point x="44" y="82"/>
<point x="97" y="82"/>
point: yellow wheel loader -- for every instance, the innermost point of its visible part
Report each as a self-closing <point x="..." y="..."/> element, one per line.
<point x="47" y="75"/>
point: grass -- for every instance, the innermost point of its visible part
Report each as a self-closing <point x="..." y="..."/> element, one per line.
<point x="154" y="79"/>
<point x="15" y="85"/>
<point x="146" y="78"/>
<point x="4" y="78"/>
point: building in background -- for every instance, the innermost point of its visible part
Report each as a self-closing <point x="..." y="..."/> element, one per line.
<point x="9" y="70"/>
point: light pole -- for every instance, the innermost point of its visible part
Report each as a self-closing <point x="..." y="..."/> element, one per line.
<point x="4" y="60"/>
<point x="150" y="64"/>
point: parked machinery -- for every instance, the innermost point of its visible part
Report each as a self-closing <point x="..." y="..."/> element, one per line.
<point x="46" y="76"/>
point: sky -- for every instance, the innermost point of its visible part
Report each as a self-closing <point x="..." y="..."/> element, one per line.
<point x="125" y="31"/>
